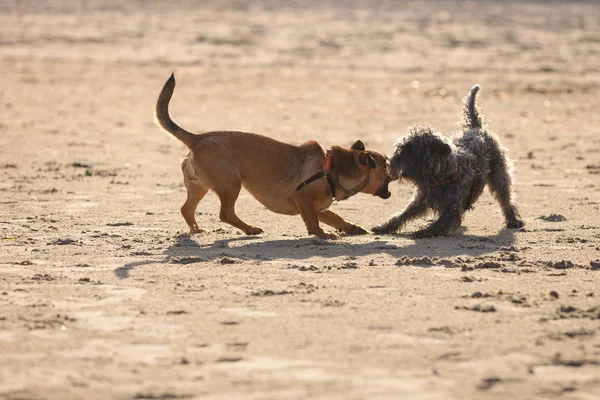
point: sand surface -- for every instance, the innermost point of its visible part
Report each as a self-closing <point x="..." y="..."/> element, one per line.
<point x="104" y="295"/>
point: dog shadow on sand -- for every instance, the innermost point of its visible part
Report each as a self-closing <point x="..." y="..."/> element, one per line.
<point x="186" y="250"/>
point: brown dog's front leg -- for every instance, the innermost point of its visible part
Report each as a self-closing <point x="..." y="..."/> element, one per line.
<point x="332" y="219"/>
<point x="309" y="215"/>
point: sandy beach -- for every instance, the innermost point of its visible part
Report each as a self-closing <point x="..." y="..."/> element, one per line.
<point x="105" y="295"/>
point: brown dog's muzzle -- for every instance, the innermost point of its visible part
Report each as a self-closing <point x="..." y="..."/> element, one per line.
<point x="383" y="191"/>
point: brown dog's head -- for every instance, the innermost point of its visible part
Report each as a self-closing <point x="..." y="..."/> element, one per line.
<point x="370" y="167"/>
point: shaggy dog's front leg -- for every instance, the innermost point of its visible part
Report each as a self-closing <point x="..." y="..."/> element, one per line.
<point x="449" y="219"/>
<point x="415" y="209"/>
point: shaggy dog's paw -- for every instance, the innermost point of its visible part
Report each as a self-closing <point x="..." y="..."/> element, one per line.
<point x="516" y="224"/>
<point x="383" y="229"/>
<point x="423" y="234"/>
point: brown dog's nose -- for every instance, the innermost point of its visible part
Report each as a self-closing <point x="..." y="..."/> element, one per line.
<point x="383" y="192"/>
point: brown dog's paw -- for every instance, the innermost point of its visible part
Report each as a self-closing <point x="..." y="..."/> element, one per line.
<point x="196" y="229"/>
<point x="325" y="235"/>
<point x="253" y="230"/>
<point x="355" y="230"/>
<point x="516" y="224"/>
<point x="332" y="236"/>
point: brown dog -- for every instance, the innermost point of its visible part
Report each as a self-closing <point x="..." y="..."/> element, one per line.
<point x="286" y="179"/>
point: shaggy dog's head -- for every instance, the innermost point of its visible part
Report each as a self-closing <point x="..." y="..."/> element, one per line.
<point x="421" y="155"/>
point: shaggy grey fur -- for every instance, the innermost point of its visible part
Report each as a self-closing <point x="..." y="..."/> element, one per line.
<point x="450" y="175"/>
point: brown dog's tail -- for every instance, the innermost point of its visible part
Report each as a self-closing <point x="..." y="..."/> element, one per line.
<point x="162" y="118"/>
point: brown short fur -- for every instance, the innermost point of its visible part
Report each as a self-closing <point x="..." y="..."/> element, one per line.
<point x="271" y="171"/>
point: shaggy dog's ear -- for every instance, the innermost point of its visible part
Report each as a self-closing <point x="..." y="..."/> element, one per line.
<point x="358" y="145"/>
<point x="367" y="159"/>
<point x="408" y="147"/>
<point x="442" y="148"/>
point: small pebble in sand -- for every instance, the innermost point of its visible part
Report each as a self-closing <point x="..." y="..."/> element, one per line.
<point x="478" y="308"/>
<point x="229" y="359"/>
<point x="141" y="253"/>
<point x="42" y="277"/>
<point x="564" y="264"/>
<point x="187" y="260"/>
<point x="415" y="261"/>
<point x="63" y="241"/>
<point x="488" y="265"/>
<point x="553" y="218"/>
<point x="176" y="312"/>
<point x="309" y="268"/>
<point x="446" y="263"/>
<point x="267" y="293"/>
<point x="595" y="264"/>
<point x="567" y="309"/>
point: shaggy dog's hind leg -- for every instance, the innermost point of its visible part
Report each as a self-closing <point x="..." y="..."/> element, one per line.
<point x="500" y="183"/>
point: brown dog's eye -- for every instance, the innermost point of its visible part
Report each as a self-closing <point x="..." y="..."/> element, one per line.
<point x="371" y="161"/>
<point x="367" y="159"/>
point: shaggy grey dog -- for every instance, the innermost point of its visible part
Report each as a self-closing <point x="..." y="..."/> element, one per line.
<point x="450" y="175"/>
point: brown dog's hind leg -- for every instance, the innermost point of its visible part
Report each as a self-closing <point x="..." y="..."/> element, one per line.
<point x="195" y="193"/>
<point x="332" y="219"/>
<point x="228" y="193"/>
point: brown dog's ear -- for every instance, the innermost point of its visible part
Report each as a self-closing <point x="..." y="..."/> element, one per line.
<point x="358" y="145"/>
<point x="367" y="159"/>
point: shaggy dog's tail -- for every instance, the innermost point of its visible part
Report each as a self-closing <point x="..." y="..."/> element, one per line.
<point x="471" y="113"/>
<point x="162" y="118"/>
